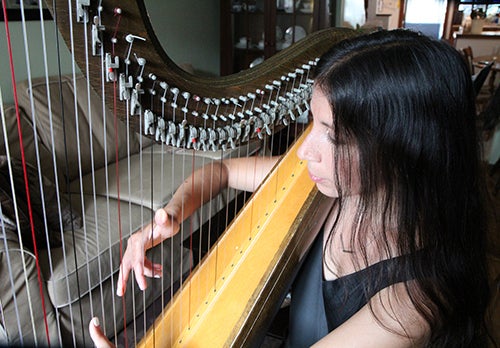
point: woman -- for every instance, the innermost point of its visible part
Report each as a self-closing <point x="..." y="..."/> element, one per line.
<point x="400" y="262"/>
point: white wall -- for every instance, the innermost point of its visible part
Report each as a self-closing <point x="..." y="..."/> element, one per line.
<point x="29" y="58"/>
<point x="188" y="30"/>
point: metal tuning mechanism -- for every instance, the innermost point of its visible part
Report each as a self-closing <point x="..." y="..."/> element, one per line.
<point x="171" y="139"/>
<point x="186" y="96"/>
<point x="96" y="30"/>
<point x="125" y="86"/>
<point x="175" y="93"/>
<point x="82" y="14"/>
<point x="222" y="137"/>
<point x="160" y="130"/>
<point x="207" y="101"/>
<point x="212" y="138"/>
<point x="135" y="104"/>
<point x="181" y="138"/>
<point x="111" y="66"/>
<point x="193" y="138"/>
<point x="153" y="78"/>
<point x="142" y="63"/>
<point x="231" y="136"/>
<point x="164" y="86"/>
<point x="130" y="39"/>
<point x="149" y="122"/>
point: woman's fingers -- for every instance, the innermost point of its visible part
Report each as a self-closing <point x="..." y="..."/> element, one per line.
<point x="152" y="270"/>
<point x="134" y="259"/>
<point x="98" y="337"/>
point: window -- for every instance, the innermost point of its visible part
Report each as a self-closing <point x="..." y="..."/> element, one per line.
<point x="490" y="7"/>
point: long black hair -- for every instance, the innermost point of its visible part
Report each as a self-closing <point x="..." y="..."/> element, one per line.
<point x="406" y="101"/>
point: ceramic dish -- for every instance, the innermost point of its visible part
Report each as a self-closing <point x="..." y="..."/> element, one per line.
<point x="300" y="33"/>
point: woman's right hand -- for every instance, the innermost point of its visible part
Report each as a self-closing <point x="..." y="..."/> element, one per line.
<point x="134" y="259"/>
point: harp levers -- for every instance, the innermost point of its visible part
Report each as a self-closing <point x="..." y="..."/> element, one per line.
<point x="118" y="53"/>
<point x="159" y="100"/>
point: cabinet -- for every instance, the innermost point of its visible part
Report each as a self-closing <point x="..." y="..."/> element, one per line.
<point x="254" y="30"/>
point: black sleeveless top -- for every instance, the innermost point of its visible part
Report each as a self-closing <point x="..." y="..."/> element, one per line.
<point x="319" y="306"/>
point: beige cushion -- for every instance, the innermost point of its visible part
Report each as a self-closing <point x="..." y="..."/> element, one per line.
<point x="140" y="186"/>
<point x="22" y="314"/>
<point x="32" y="157"/>
<point x="153" y="191"/>
<point x="68" y="117"/>
<point x="97" y="249"/>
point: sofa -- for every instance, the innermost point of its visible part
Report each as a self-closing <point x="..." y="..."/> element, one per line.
<point x="91" y="186"/>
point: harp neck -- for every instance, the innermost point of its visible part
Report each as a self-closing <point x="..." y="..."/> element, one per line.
<point x="177" y="107"/>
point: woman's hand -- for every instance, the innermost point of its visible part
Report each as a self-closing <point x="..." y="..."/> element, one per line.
<point x="135" y="259"/>
<point x="97" y="336"/>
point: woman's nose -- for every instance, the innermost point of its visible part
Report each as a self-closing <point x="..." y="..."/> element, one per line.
<point x="306" y="150"/>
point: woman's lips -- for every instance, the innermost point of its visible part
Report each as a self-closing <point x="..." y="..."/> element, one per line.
<point x="315" y="178"/>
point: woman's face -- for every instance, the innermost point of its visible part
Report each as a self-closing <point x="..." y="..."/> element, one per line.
<point x="319" y="149"/>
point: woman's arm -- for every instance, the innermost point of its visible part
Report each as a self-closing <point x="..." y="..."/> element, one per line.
<point x="364" y="330"/>
<point x="244" y="173"/>
<point x="204" y="184"/>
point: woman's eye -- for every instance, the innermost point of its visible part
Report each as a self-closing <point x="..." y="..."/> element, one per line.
<point x="334" y="138"/>
<point x="331" y="138"/>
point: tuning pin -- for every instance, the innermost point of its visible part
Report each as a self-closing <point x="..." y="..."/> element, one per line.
<point x="186" y="96"/>
<point x="141" y="62"/>
<point x="175" y="92"/>
<point x="164" y="86"/>
<point x="235" y="101"/>
<point x="130" y="38"/>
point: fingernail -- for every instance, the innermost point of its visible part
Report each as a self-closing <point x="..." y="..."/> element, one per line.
<point x="95" y="321"/>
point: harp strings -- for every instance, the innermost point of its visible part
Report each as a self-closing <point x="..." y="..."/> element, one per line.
<point x="23" y="160"/>
<point x="246" y="117"/>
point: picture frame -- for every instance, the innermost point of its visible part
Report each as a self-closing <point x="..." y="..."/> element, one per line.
<point x="31" y="10"/>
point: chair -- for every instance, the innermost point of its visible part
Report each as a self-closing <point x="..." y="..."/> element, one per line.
<point x="490" y="118"/>
<point x="480" y="78"/>
<point x="469" y="58"/>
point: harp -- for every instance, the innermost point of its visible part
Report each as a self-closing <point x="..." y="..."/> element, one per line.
<point x="68" y="210"/>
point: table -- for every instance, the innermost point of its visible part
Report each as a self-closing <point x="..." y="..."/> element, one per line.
<point x="481" y="61"/>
